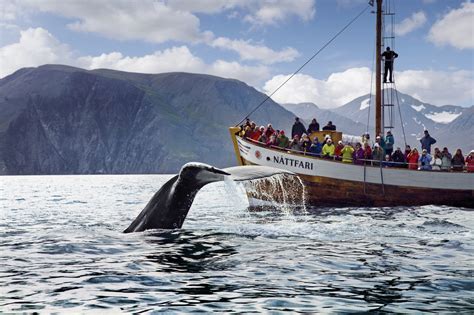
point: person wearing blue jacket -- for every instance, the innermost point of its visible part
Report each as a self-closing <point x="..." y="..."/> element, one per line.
<point x="316" y="147"/>
<point x="427" y="141"/>
<point x="389" y="142"/>
<point x="425" y="161"/>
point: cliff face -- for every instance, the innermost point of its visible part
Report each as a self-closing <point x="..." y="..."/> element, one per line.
<point x="63" y="120"/>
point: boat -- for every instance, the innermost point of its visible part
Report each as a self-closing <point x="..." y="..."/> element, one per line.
<point x="328" y="182"/>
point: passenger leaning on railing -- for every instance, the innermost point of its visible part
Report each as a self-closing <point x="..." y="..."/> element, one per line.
<point x="272" y="141"/>
<point x="358" y="155"/>
<point x="425" y="161"/>
<point x="377" y="154"/>
<point x="346" y="153"/>
<point x="305" y="143"/>
<point x="338" y="151"/>
<point x="316" y="147"/>
<point x="367" y="153"/>
<point x="470" y="162"/>
<point x="458" y="161"/>
<point x="295" y="143"/>
<point x="398" y="158"/>
<point x="446" y="158"/>
<point x="436" y="161"/>
<point x="328" y="149"/>
<point x="282" y="140"/>
<point x="412" y="159"/>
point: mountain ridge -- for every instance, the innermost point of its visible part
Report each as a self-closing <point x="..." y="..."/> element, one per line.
<point x="58" y="119"/>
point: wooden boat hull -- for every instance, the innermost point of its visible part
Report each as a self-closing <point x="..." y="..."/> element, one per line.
<point x="331" y="183"/>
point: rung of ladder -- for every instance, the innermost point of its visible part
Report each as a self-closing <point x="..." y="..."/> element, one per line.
<point x="388" y="105"/>
<point x="388" y="82"/>
<point x="389" y="37"/>
<point x="389" y="13"/>
<point x="389" y="127"/>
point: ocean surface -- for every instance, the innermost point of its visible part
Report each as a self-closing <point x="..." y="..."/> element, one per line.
<point x="63" y="250"/>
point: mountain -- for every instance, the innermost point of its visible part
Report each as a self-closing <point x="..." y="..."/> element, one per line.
<point x="442" y="121"/>
<point x="62" y="120"/>
<point x="308" y="111"/>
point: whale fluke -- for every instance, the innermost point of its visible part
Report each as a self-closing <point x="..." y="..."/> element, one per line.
<point x="169" y="207"/>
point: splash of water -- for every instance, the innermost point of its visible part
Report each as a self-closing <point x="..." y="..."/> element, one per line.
<point x="283" y="192"/>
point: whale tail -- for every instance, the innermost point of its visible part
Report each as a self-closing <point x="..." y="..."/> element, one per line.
<point x="169" y="207"/>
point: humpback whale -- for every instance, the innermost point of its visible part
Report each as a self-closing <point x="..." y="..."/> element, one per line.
<point x="169" y="207"/>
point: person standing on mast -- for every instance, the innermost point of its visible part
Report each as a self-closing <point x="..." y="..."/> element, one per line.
<point x="389" y="56"/>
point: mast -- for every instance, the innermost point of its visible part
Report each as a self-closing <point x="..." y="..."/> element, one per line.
<point x="378" y="71"/>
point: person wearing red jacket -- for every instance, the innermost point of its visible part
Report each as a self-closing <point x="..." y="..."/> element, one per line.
<point x="412" y="159"/>
<point x="338" y="151"/>
<point x="470" y="162"/>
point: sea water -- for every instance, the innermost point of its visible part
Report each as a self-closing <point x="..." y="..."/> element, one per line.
<point x="62" y="250"/>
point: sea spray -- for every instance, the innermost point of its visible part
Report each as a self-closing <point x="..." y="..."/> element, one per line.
<point x="283" y="192"/>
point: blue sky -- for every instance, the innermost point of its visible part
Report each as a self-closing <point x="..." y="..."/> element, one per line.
<point x="258" y="42"/>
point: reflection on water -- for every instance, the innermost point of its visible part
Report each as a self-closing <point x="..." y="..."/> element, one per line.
<point x="63" y="251"/>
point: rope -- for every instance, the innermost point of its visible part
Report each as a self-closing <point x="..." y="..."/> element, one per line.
<point x="400" y="113"/>
<point x="372" y="72"/>
<point x="308" y="61"/>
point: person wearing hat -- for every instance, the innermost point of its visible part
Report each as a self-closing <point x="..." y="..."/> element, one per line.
<point x="425" y="161"/>
<point x="283" y="140"/>
<point x="389" y="142"/>
<point x="328" y="149"/>
<point x="470" y="162"/>
<point x="269" y="131"/>
<point x="427" y="141"/>
<point x="298" y="128"/>
<point x="346" y="153"/>
<point x="258" y="132"/>
<point x="338" y="150"/>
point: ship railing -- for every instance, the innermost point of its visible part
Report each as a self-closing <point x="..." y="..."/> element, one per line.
<point x="367" y="162"/>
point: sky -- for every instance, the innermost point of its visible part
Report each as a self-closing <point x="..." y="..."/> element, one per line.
<point x="260" y="42"/>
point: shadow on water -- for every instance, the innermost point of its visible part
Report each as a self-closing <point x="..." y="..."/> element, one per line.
<point x="187" y="251"/>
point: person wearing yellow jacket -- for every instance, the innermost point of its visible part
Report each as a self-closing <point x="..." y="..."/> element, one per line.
<point x="328" y="148"/>
<point x="347" y="153"/>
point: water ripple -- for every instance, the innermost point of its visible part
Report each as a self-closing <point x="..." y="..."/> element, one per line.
<point x="63" y="251"/>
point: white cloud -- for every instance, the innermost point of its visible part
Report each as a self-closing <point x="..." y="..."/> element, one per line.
<point x="272" y="12"/>
<point x="207" y="6"/>
<point x="338" y="89"/>
<point x="147" y="20"/>
<point x="35" y="47"/>
<point x="438" y="87"/>
<point x="168" y="60"/>
<point x="9" y="10"/>
<point x="416" y="20"/>
<point x="248" y="51"/>
<point x="435" y="87"/>
<point x="455" y="28"/>
<point x="176" y="59"/>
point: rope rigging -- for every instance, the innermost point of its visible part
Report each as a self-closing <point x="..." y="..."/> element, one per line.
<point x="304" y="64"/>
<point x="390" y="95"/>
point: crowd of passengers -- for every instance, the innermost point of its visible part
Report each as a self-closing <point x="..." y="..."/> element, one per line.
<point x="364" y="152"/>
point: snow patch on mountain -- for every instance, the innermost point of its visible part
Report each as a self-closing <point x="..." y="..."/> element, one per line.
<point x="443" y="117"/>
<point x="418" y="108"/>
<point x="364" y="104"/>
